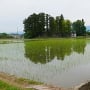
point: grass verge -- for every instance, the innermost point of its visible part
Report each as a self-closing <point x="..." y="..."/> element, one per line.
<point x="5" y="86"/>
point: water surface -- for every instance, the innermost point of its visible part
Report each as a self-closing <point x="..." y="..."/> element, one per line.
<point x="60" y="62"/>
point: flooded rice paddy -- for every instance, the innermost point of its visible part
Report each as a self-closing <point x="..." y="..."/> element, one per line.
<point x="58" y="62"/>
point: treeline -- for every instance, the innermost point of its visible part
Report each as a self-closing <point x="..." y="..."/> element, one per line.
<point x="5" y="36"/>
<point x="44" y="25"/>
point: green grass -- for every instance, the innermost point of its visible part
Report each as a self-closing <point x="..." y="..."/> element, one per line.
<point x="5" y="86"/>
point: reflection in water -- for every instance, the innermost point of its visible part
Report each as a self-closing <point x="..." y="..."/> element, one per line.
<point x="60" y="62"/>
<point x="45" y="51"/>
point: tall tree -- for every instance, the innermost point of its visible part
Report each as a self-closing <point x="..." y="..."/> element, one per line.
<point x="67" y="28"/>
<point x="83" y="27"/>
<point x="41" y="24"/>
<point x="47" y="24"/>
<point x="52" y="26"/>
<point x="57" y="26"/>
<point x="61" y="26"/>
<point x="79" y="27"/>
<point x="31" y="25"/>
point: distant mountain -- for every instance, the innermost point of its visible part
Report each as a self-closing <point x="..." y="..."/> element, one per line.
<point x="19" y="32"/>
<point x="88" y="28"/>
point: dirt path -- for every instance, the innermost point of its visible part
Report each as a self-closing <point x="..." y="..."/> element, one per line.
<point x="24" y="84"/>
<point x="12" y="80"/>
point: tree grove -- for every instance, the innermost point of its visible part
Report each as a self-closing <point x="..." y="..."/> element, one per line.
<point x="44" y="25"/>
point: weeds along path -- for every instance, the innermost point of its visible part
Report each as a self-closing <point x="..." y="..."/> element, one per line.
<point x="25" y="84"/>
<point x="12" y="80"/>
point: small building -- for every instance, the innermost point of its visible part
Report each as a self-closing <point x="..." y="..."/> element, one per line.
<point x="73" y="34"/>
<point x="16" y="36"/>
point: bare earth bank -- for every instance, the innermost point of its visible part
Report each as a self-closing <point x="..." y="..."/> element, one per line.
<point x="24" y="83"/>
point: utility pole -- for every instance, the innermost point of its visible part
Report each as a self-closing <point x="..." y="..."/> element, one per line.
<point x="17" y="33"/>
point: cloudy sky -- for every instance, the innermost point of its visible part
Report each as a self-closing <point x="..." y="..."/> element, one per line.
<point x="13" y="12"/>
